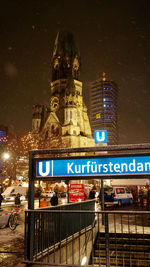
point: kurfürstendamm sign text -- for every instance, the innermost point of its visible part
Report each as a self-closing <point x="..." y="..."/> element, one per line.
<point x="101" y="166"/>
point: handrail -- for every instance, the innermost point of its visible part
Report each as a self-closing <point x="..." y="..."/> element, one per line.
<point x="89" y="211"/>
<point x="92" y="149"/>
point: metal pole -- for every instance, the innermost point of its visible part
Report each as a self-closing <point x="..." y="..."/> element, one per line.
<point x="102" y="201"/>
<point x="68" y="193"/>
<point x="39" y="196"/>
<point x="30" y="234"/>
<point x="107" y="240"/>
<point x="31" y="183"/>
<point x="67" y="183"/>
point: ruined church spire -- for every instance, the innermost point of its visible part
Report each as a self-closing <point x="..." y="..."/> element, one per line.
<point x="66" y="58"/>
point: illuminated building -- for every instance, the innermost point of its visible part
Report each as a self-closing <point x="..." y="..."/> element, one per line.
<point x="104" y="108"/>
<point x="3" y="134"/>
<point x="66" y="115"/>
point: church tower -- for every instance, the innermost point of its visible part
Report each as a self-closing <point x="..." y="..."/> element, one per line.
<point x="67" y="113"/>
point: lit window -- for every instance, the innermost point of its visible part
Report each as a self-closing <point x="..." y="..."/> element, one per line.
<point x="98" y="116"/>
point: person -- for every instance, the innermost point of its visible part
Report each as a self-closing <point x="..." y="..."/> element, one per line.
<point x="148" y="199"/>
<point x="92" y="194"/>
<point x="17" y="200"/>
<point x="1" y="199"/>
<point x="135" y="197"/>
<point x="141" y="197"/>
<point x="54" y="200"/>
<point x="38" y="192"/>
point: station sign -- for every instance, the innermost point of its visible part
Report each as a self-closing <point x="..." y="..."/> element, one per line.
<point x="100" y="136"/>
<point x="94" y="166"/>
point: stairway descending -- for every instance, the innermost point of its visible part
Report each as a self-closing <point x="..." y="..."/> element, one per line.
<point x="127" y="250"/>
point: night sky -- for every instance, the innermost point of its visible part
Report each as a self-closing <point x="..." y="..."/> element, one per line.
<point x="113" y="36"/>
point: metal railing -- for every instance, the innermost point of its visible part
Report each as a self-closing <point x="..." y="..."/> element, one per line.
<point x="56" y="226"/>
<point x="123" y="240"/>
<point x="66" y="236"/>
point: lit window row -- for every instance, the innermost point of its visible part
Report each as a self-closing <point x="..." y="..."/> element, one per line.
<point x="108" y="105"/>
<point x="107" y="99"/>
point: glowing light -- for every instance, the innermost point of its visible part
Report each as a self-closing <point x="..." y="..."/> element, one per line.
<point x="6" y="155"/>
<point x="84" y="260"/>
<point x="63" y="201"/>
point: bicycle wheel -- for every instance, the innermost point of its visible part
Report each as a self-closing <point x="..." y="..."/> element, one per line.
<point x="13" y="222"/>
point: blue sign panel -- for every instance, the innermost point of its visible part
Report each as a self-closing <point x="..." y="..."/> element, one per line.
<point x="106" y="166"/>
<point x="100" y="136"/>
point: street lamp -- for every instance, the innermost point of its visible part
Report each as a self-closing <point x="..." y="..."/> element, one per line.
<point x="6" y="155"/>
<point x="9" y="166"/>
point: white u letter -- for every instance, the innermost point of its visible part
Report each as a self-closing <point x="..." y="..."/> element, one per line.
<point x="41" y="168"/>
<point x="102" y="138"/>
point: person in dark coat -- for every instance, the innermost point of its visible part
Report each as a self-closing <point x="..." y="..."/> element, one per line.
<point x="92" y="194"/>
<point x="148" y="199"/>
<point x="54" y="200"/>
<point x="17" y="200"/>
<point x="1" y="199"/>
<point x="141" y="197"/>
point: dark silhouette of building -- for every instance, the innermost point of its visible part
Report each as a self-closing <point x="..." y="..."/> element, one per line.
<point x="104" y="108"/>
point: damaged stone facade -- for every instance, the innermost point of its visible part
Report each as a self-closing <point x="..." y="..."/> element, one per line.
<point x="66" y="115"/>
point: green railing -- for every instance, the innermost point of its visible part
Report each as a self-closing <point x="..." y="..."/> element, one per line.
<point x="54" y="224"/>
<point x="122" y="240"/>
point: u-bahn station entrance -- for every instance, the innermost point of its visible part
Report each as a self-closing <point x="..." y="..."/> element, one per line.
<point x="77" y="234"/>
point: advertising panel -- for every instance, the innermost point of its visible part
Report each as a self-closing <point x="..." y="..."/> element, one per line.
<point x="76" y="193"/>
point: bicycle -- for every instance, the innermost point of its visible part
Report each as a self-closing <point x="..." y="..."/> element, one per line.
<point x="13" y="221"/>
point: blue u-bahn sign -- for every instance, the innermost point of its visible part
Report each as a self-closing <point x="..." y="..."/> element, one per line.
<point x="100" y="136"/>
<point x="96" y="166"/>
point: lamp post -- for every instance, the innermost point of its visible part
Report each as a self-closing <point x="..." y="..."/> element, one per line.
<point x="9" y="165"/>
<point x="6" y="156"/>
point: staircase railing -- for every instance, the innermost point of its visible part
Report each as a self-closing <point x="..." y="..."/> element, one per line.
<point x="65" y="236"/>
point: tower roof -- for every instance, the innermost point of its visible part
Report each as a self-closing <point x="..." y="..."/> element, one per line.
<point x="65" y="45"/>
<point x="66" y="60"/>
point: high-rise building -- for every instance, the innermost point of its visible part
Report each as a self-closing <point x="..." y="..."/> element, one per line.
<point x="66" y="115"/>
<point x="104" y="108"/>
<point x="3" y="134"/>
